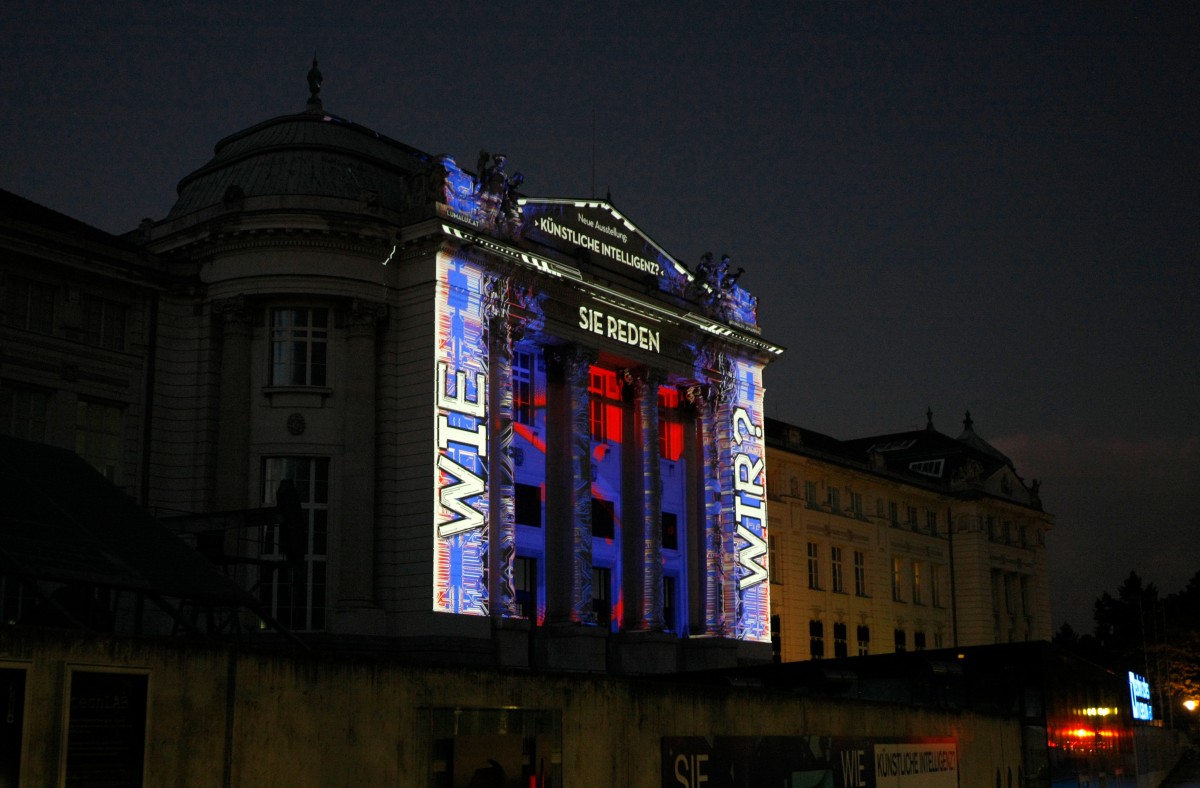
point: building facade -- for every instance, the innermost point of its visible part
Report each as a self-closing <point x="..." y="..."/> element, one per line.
<point x="901" y="542"/>
<point x="509" y="430"/>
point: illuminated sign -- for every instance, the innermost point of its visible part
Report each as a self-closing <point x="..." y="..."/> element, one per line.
<point x="1139" y="697"/>
<point x="748" y="501"/>
<point x="598" y="228"/>
<point x="619" y="329"/>
<point x="461" y="442"/>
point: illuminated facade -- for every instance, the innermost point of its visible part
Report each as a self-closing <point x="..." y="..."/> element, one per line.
<point x="512" y="429"/>
<point x="901" y="542"/>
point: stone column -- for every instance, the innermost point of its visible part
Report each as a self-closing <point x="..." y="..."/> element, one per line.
<point x="502" y="539"/>
<point x="356" y="521"/>
<point x="233" y="407"/>
<point x="568" y="486"/>
<point x="711" y="569"/>
<point x="641" y="537"/>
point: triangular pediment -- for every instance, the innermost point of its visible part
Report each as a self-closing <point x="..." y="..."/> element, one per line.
<point x="609" y="238"/>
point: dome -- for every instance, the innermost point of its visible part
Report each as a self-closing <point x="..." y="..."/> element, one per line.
<point x="311" y="154"/>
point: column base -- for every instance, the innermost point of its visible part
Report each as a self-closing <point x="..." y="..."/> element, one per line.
<point x="635" y="653"/>
<point x="573" y="647"/>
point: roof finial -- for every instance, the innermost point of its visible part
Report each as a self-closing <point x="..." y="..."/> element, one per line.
<point x="314" y="86"/>
<point x="967" y="423"/>
<point x="928" y="418"/>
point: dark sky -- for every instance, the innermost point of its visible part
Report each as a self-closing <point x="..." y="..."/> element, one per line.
<point x="950" y="205"/>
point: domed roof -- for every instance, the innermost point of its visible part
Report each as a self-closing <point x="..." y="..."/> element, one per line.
<point x="312" y="154"/>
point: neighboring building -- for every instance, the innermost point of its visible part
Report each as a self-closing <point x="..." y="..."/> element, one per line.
<point x="496" y="429"/>
<point x="901" y="542"/>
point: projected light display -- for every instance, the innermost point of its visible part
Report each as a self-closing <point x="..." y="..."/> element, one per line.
<point x="461" y="427"/>
<point x="595" y="404"/>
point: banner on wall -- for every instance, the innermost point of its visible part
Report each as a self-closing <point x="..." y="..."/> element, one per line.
<point x="461" y="441"/>
<point x="808" y="762"/>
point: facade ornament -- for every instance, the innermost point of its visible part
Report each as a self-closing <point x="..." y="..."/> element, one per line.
<point x="716" y="288"/>
<point x="314" y="86"/>
<point x="496" y="192"/>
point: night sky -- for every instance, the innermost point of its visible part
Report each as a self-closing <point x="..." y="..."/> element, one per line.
<point x="948" y="206"/>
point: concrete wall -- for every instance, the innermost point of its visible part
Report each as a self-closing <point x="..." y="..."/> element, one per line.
<point x="217" y="716"/>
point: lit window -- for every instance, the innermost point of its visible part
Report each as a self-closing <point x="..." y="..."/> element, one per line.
<point x="295" y="594"/>
<point x="299" y="344"/>
<point x="670" y="424"/>
<point x="103" y="322"/>
<point x="604" y="406"/>
<point x="98" y="437"/>
<point x="23" y="412"/>
<point x="29" y="305"/>
<point x="522" y="387"/>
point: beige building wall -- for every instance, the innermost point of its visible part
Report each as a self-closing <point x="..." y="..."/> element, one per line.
<point x="865" y="561"/>
<point x="217" y="717"/>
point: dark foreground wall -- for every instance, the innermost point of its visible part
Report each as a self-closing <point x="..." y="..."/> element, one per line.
<point x="166" y="713"/>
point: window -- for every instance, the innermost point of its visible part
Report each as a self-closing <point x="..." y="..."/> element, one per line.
<point x="835" y="500"/>
<point x="864" y="640"/>
<point x="901" y="641"/>
<point x="522" y="387"/>
<point x="835" y="560"/>
<point x="990" y="522"/>
<point x="912" y="517"/>
<point x="670" y="424"/>
<point x="816" y="639"/>
<point x="931" y="522"/>
<point x="603" y="519"/>
<point x="894" y="513"/>
<point x="670" y="531"/>
<point x="1007" y="538"/>
<point x="776" y="641"/>
<point x="772" y="558"/>
<point x="814" y="565"/>
<point x="918" y="597"/>
<point x="935" y="584"/>
<point x="525" y="584"/>
<point x="668" y="598"/>
<point x="839" y="640"/>
<point x="860" y="573"/>
<point x="604" y="406"/>
<point x="299" y="343"/>
<point x="602" y="594"/>
<point x="103" y="322"/>
<point x="897" y="580"/>
<point x="918" y="641"/>
<point x="295" y="593"/>
<point x="938" y="639"/>
<point x="528" y="504"/>
<point x="810" y="493"/>
<point x="29" y="305"/>
<point x="23" y="412"/>
<point x="98" y="437"/>
<point x="856" y="504"/>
